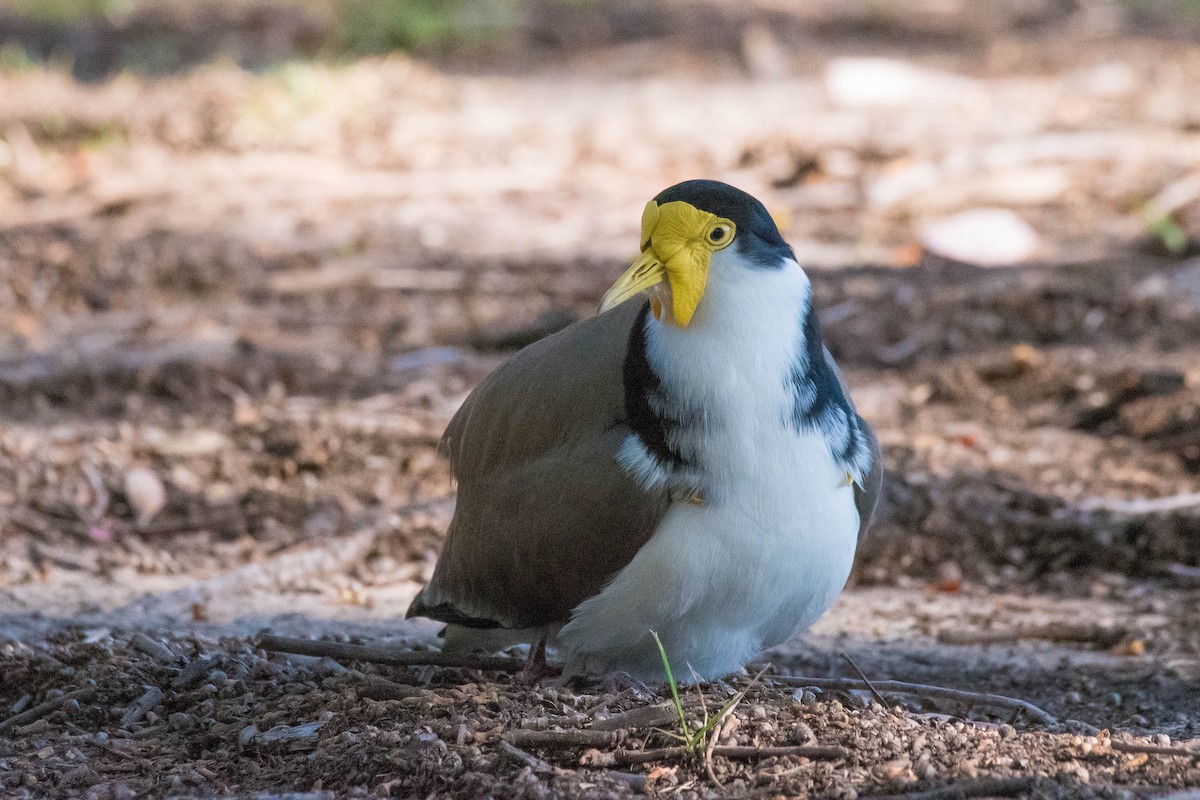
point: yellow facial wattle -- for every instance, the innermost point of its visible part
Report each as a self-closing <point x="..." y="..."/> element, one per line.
<point x="678" y="241"/>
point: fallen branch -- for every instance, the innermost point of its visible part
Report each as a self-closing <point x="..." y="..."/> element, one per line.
<point x="387" y="655"/>
<point x="986" y="787"/>
<point x="42" y="709"/>
<point x="922" y="690"/>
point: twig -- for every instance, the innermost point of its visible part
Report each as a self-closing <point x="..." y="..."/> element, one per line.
<point x="157" y="650"/>
<point x="42" y="709"/>
<point x="923" y="690"/>
<point x="726" y="710"/>
<point x="568" y="738"/>
<point x="1153" y="749"/>
<point x="715" y="734"/>
<point x="986" y="787"/>
<point x="637" y="782"/>
<point x="1097" y="635"/>
<point x="625" y="757"/>
<point x="376" y="688"/>
<point x="865" y="680"/>
<point x="1142" y="505"/>
<point x="640" y="717"/>
<point x="190" y="675"/>
<point x="387" y="655"/>
<point x="1184" y="574"/>
<point x="616" y="698"/>
<point x="142" y="706"/>
<point x="528" y="759"/>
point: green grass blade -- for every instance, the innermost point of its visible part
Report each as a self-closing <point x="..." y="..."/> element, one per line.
<point x="662" y="652"/>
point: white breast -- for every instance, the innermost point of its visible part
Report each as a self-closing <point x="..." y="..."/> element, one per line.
<point x="773" y="543"/>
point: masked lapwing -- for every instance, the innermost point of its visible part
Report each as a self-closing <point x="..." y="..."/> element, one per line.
<point x="687" y="462"/>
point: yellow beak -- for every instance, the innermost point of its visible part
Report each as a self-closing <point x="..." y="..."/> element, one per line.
<point x="646" y="273"/>
<point x="676" y="253"/>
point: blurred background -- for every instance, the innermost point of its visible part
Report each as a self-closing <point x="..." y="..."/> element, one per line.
<point x="254" y="254"/>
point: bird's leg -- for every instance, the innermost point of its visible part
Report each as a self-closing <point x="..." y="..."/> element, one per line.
<point x="536" y="667"/>
<point x="622" y="683"/>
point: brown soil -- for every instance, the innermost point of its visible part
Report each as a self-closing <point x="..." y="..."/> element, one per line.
<point x="266" y="295"/>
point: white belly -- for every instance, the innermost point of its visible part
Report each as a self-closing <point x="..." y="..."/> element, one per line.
<point x="721" y="581"/>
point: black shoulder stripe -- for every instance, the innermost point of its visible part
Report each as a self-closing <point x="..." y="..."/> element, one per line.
<point x="819" y="402"/>
<point x="642" y="384"/>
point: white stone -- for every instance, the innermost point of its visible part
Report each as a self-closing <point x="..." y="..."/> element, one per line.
<point x="981" y="236"/>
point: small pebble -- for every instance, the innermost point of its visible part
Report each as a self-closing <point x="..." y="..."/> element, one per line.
<point x="247" y="734"/>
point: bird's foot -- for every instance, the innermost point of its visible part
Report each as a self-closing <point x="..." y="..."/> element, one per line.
<point x="619" y="682"/>
<point x="614" y="684"/>
<point x="536" y="667"/>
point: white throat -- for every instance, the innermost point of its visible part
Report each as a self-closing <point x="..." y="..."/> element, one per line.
<point x="729" y="367"/>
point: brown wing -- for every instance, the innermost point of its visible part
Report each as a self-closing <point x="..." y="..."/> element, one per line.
<point x="545" y="516"/>
<point x="866" y="496"/>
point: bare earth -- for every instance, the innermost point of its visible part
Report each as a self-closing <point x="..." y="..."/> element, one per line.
<point x="237" y="310"/>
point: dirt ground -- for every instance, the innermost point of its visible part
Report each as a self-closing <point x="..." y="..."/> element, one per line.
<point x="237" y="309"/>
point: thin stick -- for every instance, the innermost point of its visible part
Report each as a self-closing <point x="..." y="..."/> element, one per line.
<point x="1182" y="573"/>
<point x="1142" y="505"/>
<point x="923" y="690"/>
<point x="641" y="717"/>
<point x="711" y="746"/>
<point x="725" y="751"/>
<point x="638" y="782"/>
<point x="987" y="787"/>
<point x="1097" y="635"/>
<point x="528" y="759"/>
<point x="616" y="698"/>
<point x="1153" y="749"/>
<point x="865" y="680"/>
<point x="387" y="655"/>
<point x="142" y="706"/>
<point x="42" y="709"/>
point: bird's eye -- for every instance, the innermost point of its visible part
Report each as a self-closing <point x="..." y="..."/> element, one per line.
<point x="720" y="234"/>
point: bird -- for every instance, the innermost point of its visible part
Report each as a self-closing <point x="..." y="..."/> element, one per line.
<point x="687" y="464"/>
